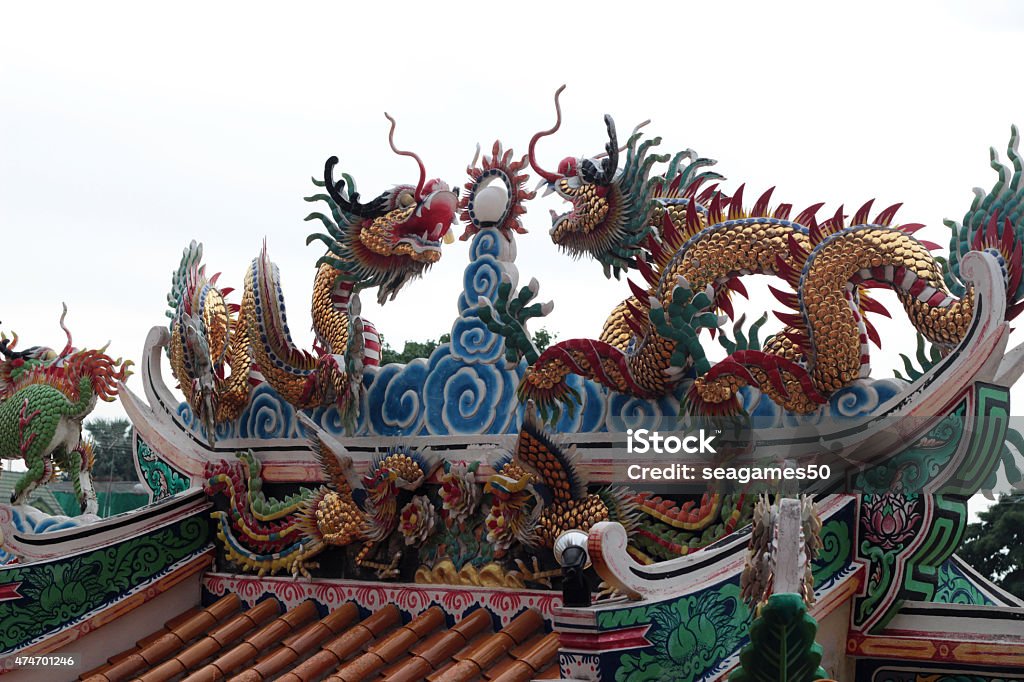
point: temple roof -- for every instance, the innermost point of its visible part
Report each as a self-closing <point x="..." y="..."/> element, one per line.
<point x="221" y="641"/>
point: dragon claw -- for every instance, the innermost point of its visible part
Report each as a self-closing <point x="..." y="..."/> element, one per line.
<point x="606" y="592"/>
<point x="301" y="567"/>
<point x="534" y="574"/>
<point x="390" y="570"/>
<point x="682" y="320"/>
<point x="507" y="315"/>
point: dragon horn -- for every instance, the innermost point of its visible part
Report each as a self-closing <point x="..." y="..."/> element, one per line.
<point x="7" y="352"/>
<point x="419" y="161"/>
<point x="604" y="176"/>
<point x="550" y="177"/>
<point x="350" y="205"/>
<point x="622" y="148"/>
<point x="67" y="332"/>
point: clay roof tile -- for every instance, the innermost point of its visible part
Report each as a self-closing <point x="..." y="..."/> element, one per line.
<point x="542" y="652"/>
<point x="268" y="636"/>
<point x="489" y="652"/>
<point x="160" y="646"/>
<point x="345" y="644"/>
<point x="389" y="649"/>
<point x="298" y="645"/>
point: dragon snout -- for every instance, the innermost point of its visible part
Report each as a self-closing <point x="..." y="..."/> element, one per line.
<point x="436" y="213"/>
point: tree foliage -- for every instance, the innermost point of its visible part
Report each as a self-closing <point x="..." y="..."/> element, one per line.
<point x="113" y="438"/>
<point x="411" y="350"/>
<point x="995" y="546"/>
<point x="542" y="338"/>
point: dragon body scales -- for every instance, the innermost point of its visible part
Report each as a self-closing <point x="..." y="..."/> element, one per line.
<point x="692" y="244"/>
<point x="44" y="397"/>
<point x="218" y="351"/>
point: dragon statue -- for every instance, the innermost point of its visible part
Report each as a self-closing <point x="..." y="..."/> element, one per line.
<point x="266" y="534"/>
<point x="218" y="351"/>
<point x="534" y="495"/>
<point x="44" y="396"/>
<point x="692" y="244"/>
<point x="538" y="493"/>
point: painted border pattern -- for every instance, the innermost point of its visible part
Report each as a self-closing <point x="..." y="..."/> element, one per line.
<point x="160" y="478"/>
<point x="47" y="597"/>
<point x="411" y="599"/>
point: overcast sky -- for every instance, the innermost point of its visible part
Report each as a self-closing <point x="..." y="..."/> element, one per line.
<point x="128" y="130"/>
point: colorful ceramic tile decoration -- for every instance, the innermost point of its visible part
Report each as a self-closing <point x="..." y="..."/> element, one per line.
<point x="315" y="513"/>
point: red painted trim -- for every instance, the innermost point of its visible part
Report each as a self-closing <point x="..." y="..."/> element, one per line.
<point x="10" y="591"/>
<point x="629" y="638"/>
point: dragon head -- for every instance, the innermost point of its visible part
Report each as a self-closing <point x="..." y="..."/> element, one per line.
<point x="514" y="506"/>
<point x="608" y="219"/>
<point x="393" y="238"/>
<point x="15" y="364"/>
<point x="398" y="469"/>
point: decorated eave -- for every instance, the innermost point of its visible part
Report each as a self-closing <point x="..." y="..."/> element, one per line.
<point x="443" y="494"/>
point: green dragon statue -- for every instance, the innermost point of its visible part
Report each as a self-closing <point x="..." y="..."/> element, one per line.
<point x="44" y="396"/>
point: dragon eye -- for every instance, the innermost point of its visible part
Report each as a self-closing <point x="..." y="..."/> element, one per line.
<point x="406" y="199"/>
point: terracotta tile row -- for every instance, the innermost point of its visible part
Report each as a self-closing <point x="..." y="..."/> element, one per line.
<point x="262" y="641"/>
<point x="345" y="645"/>
<point x="211" y="645"/>
<point x="176" y="634"/>
<point x="221" y="643"/>
<point x="484" y="655"/>
<point x="298" y="645"/>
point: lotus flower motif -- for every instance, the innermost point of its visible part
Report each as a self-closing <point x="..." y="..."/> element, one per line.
<point x="417" y="520"/>
<point x="460" y="495"/>
<point x="889" y="520"/>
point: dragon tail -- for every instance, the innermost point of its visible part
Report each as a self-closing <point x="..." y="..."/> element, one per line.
<point x="289" y="557"/>
<point x="290" y="370"/>
<point x="622" y="506"/>
<point x="265" y="523"/>
<point x="554" y="464"/>
<point x="670" y="530"/>
<point x="993" y="224"/>
<point x="191" y="256"/>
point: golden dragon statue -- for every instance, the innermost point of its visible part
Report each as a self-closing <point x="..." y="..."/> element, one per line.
<point x="539" y="492"/>
<point x="536" y="493"/>
<point x="219" y="350"/>
<point x="692" y="244"/>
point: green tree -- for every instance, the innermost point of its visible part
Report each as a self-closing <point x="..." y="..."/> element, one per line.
<point x="422" y="349"/>
<point x="113" y="438"/>
<point x="411" y="350"/>
<point x="995" y="546"/>
<point x="542" y="338"/>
